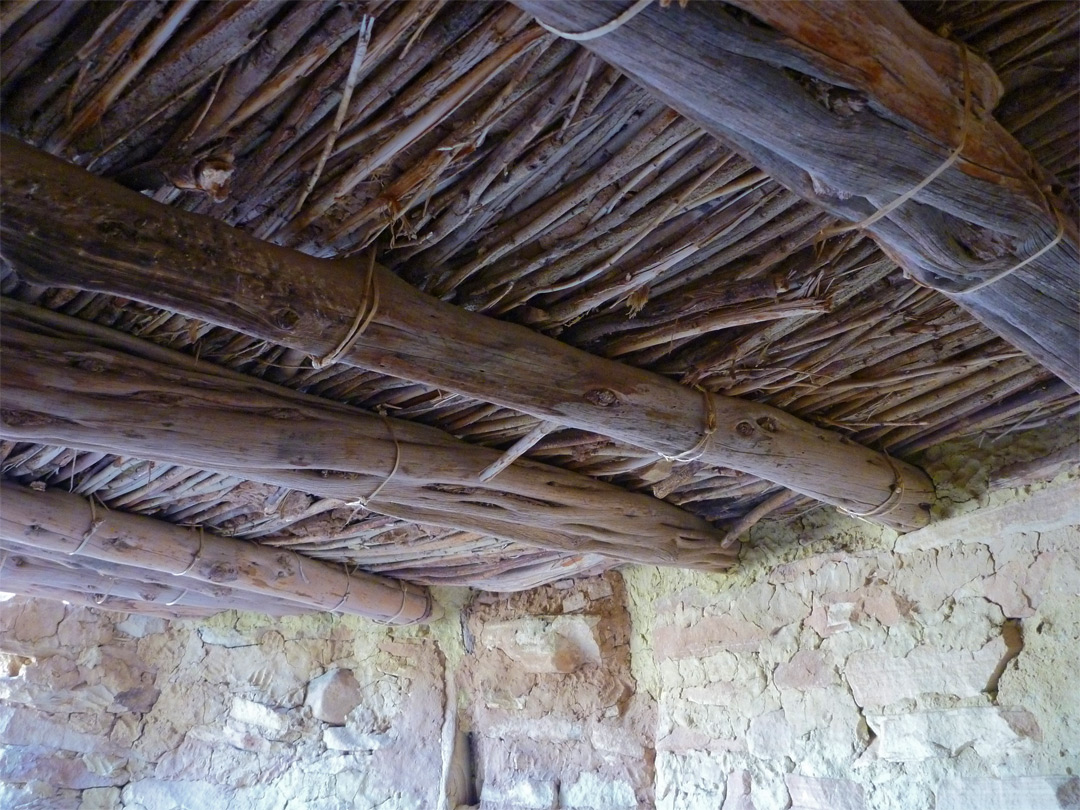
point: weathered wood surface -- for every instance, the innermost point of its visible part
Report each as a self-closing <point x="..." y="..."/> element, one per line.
<point x="63" y="227"/>
<point x="64" y="389"/>
<point x="59" y="522"/>
<point x="30" y="571"/>
<point x="879" y="108"/>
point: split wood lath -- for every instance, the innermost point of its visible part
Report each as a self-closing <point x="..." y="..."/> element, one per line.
<point x="310" y="305"/>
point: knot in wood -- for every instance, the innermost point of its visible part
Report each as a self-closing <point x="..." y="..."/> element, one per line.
<point x="768" y="424"/>
<point x="90" y="364"/>
<point x="285" y="319"/>
<point x="25" y="418"/>
<point x="604" y="397"/>
<point x="222" y="572"/>
<point x="745" y="429"/>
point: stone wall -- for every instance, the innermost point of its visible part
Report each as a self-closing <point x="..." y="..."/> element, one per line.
<point x="840" y="668"/>
<point x="102" y="711"/>
<point x="939" y="672"/>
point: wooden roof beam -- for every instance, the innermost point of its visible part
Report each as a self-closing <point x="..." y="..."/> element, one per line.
<point x="85" y="386"/>
<point x="191" y="558"/>
<point x="852" y="106"/>
<point x="64" y="227"/>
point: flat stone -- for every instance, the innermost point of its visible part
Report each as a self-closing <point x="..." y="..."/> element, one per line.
<point x="333" y="695"/>
<point x="102" y="798"/>
<point x="878" y="679"/>
<point x="256" y="714"/>
<point x="770" y="736"/>
<point x="593" y="792"/>
<point x="33" y="763"/>
<point x="343" y="738"/>
<point x="824" y="794"/>
<point x="1021" y="793"/>
<point x="530" y="793"/>
<point x="737" y="795"/>
<point x="990" y="730"/>
<point x="710" y="635"/>
<point x="1046" y="510"/>
<point x="546" y="643"/>
<point x="807" y="669"/>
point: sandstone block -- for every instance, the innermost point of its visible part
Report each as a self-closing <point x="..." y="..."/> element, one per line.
<point x="103" y="798"/>
<point x="528" y="793"/>
<point x="990" y="730"/>
<point x="546" y="643"/>
<point x="824" y="794"/>
<point x="256" y="714"/>
<point x="807" y="669"/>
<point x="1022" y="793"/>
<point x="710" y="635"/>
<point x="878" y="679"/>
<point x="594" y="792"/>
<point x="1044" y="511"/>
<point x="343" y="738"/>
<point x="737" y="796"/>
<point x="333" y="695"/>
<point x="770" y="736"/>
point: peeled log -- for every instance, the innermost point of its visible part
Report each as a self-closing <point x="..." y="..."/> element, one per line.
<point x="990" y="210"/>
<point x="117" y="394"/>
<point x="63" y="227"/>
<point x="31" y="572"/>
<point x="59" y="522"/>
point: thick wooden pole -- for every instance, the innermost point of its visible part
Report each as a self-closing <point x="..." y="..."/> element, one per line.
<point x="31" y="571"/>
<point x="60" y="522"/>
<point x="62" y="226"/>
<point x="989" y="211"/>
<point x="63" y="389"/>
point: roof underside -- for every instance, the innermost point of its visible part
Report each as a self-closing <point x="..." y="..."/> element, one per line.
<point x="556" y="194"/>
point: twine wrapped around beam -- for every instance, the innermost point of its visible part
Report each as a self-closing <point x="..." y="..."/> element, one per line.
<point x="698" y="450"/>
<point x="365" y="314"/>
<point x="600" y="30"/>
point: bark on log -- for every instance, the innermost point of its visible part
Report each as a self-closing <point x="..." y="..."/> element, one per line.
<point x="879" y="107"/>
<point x="64" y="227"/>
<point x="60" y="522"/>
<point x="121" y="395"/>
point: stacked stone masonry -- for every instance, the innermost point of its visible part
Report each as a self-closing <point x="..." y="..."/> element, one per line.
<point x="936" y="671"/>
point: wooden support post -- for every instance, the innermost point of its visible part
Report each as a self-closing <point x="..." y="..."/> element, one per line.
<point x="119" y="394"/>
<point x="983" y="225"/>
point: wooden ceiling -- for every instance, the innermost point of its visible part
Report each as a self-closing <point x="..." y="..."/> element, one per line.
<point x="512" y="173"/>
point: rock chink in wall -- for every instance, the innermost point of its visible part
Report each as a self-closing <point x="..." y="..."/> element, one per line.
<point x="935" y="671"/>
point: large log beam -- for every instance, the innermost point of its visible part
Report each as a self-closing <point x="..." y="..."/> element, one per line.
<point x="115" y="393"/>
<point x="879" y="107"/>
<point x="64" y="227"/>
<point x="71" y="525"/>
<point x="30" y="571"/>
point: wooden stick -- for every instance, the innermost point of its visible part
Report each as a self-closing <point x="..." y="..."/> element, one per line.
<point x="518" y="449"/>
<point x="71" y="525"/>
<point x="64" y="227"/>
